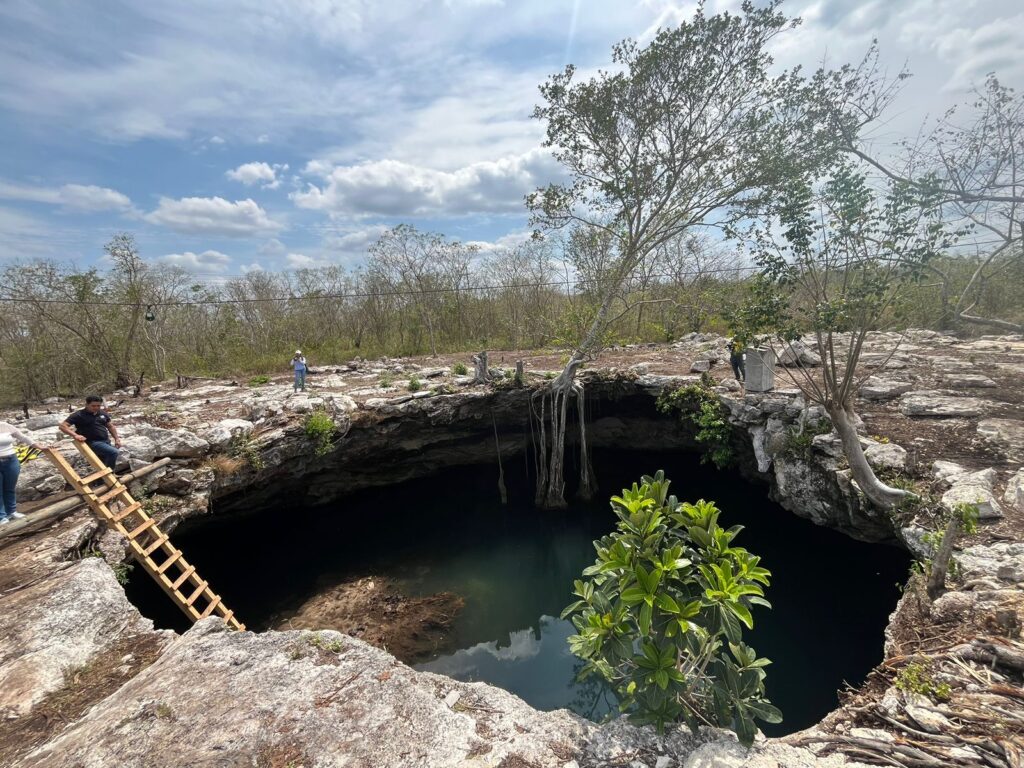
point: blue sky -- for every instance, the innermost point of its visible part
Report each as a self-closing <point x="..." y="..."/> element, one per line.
<point x="249" y="134"/>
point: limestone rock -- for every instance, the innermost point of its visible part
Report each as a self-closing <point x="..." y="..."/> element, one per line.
<point x="886" y="455"/>
<point x="1014" y="494"/>
<point x="44" y="420"/>
<point x="877" y="388"/>
<point x="700" y="366"/>
<point x="1003" y="561"/>
<point x="923" y="403"/>
<point x="1007" y="434"/>
<point x="56" y="624"/>
<point x="967" y="381"/>
<point x="974" y="488"/>
<point x="946" y="471"/>
<point x="797" y="353"/>
<point x="176" y="443"/>
<point x="224" y="430"/>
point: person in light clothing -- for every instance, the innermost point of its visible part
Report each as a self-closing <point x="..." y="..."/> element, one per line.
<point x="299" y="364"/>
<point x="10" y="468"/>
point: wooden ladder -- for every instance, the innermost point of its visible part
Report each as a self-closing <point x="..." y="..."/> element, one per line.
<point x="113" y="504"/>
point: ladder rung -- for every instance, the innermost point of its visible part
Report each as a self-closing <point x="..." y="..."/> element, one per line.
<point x="184" y="577"/>
<point x="142" y="529"/>
<point x="211" y="607"/>
<point x="130" y="509"/>
<point x="199" y="590"/>
<point x="228" y="616"/>
<point x="90" y="479"/>
<point x="169" y="561"/>
<point x="150" y="549"/>
<point x="113" y="493"/>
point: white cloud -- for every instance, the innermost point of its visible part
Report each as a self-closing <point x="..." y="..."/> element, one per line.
<point x="78" y="197"/>
<point x="217" y="140"/>
<point x="301" y="261"/>
<point x="394" y="188"/>
<point x="272" y="247"/>
<point x="253" y="267"/>
<point x="213" y="216"/>
<point x="207" y="261"/>
<point x="505" y="242"/>
<point x="257" y="173"/>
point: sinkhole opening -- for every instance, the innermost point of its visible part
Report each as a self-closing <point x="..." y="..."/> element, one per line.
<point x="448" y="579"/>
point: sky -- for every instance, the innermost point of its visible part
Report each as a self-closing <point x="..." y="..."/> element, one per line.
<point x="281" y="134"/>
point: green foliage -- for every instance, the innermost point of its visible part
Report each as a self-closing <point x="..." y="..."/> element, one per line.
<point x="387" y="380"/>
<point x="799" y="440"/>
<point x="319" y="641"/>
<point x="320" y="429"/>
<point x="257" y="381"/>
<point x="701" y="407"/>
<point x="243" y="446"/>
<point x="415" y="385"/>
<point x="661" y="613"/>
<point x="460" y="369"/>
<point x="917" y="678"/>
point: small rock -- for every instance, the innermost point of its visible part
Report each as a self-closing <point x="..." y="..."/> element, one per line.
<point x="935" y="404"/>
<point x="930" y="721"/>
<point x="886" y="455"/>
<point x="945" y="471"/>
<point x="876" y="388"/>
<point x="797" y="353"/>
<point x="44" y="421"/>
<point x="700" y="366"/>
<point x="1014" y="495"/>
<point x="452" y="698"/>
<point x="967" y="380"/>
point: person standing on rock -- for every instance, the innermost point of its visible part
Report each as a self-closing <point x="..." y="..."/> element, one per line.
<point x="93" y="427"/>
<point x="299" y="364"/>
<point x="10" y="468"/>
<point x="736" y="359"/>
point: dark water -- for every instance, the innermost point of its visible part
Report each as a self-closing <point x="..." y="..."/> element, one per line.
<point x="515" y="566"/>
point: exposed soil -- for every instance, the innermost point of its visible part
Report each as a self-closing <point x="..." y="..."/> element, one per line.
<point x="83" y="687"/>
<point x="375" y="610"/>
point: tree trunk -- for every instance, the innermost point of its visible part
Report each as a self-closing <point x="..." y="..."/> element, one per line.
<point x="480" y="373"/>
<point x="877" y="492"/>
<point x="940" y="563"/>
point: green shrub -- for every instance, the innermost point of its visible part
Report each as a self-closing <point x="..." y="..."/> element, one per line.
<point x="244" y="447"/>
<point x="800" y="440"/>
<point x="256" y="381"/>
<point x="917" y="678"/>
<point x="460" y="369"/>
<point x="661" y="612"/>
<point x="701" y="407"/>
<point x="320" y="429"/>
<point x="386" y="380"/>
<point x="415" y="385"/>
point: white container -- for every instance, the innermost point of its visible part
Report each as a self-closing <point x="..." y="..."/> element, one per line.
<point x="760" y="369"/>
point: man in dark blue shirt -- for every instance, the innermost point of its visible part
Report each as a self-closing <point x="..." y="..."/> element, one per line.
<point x="94" y="428"/>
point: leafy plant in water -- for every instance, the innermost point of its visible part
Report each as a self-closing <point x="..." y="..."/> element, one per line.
<point x="661" y="613"/>
<point x="320" y="429"/>
<point x="700" y="406"/>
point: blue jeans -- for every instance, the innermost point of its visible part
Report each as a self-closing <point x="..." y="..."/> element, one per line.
<point x="106" y="452"/>
<point x="10" y="468"/>
<point x="300" y="379"/>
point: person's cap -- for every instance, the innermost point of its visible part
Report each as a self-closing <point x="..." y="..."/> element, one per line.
<point x="298" y="351"/>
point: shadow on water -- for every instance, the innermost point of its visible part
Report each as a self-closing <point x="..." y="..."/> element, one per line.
<point x="515" y="565"/>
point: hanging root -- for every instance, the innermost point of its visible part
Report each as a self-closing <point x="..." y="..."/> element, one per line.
<point x="588" y="484"/>
<point x="501" y="471"/>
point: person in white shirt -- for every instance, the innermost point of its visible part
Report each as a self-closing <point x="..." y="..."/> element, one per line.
<point x="10" y="468"/>
<point x="299" y="364"/>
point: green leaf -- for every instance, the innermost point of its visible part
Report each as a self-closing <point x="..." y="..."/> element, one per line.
<point x="645" y="620"/>
<point x="666" y="603"/>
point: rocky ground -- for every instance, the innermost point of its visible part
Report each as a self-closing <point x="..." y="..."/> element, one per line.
<point x="86" y="681"/>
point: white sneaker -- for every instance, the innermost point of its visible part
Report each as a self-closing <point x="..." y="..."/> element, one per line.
<point x="17" y="516"/>
<point x="4" y="521"/>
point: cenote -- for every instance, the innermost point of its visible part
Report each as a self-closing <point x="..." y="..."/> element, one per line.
<point x="514" y="565"/>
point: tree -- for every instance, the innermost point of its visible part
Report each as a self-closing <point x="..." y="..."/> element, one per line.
<point x="835" y="258"/>
<point x="975" y="167"/>
<point x="689" y="131"/>
<point x="661" y="613"/>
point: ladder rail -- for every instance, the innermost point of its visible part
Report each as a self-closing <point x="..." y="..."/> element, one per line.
<point x="173" y="573"/>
